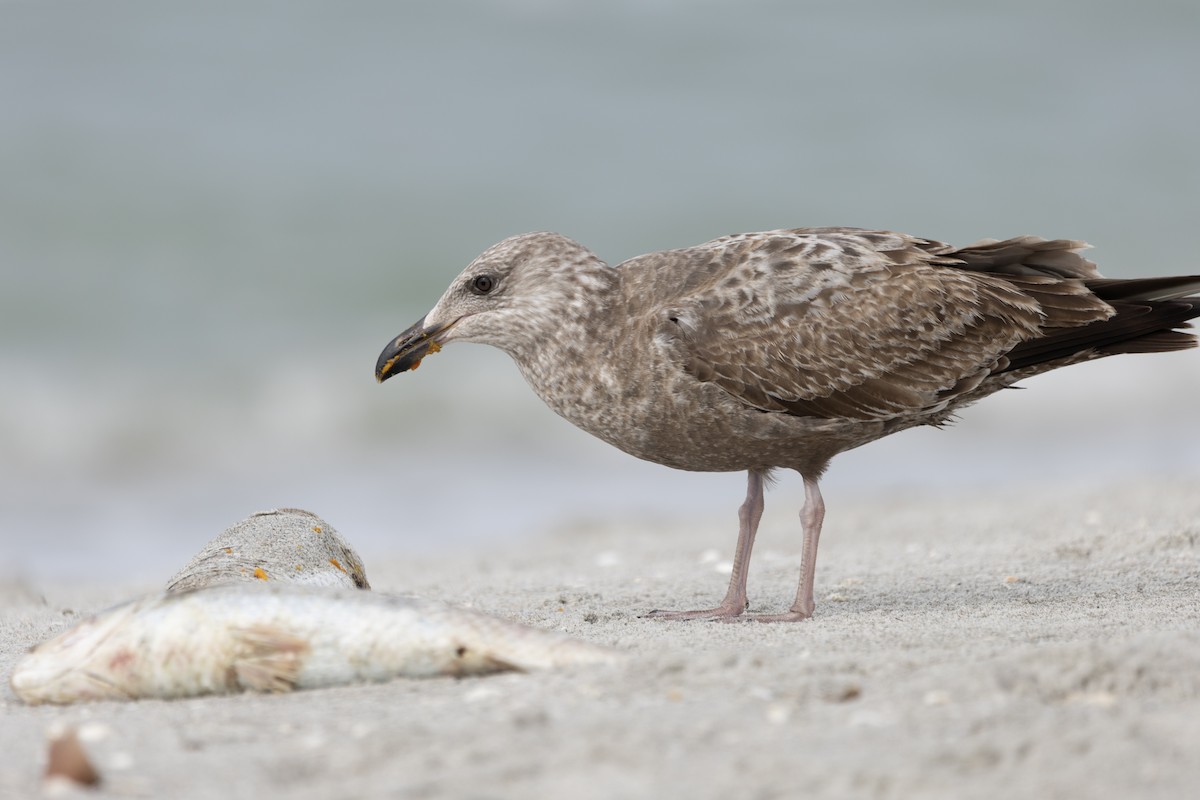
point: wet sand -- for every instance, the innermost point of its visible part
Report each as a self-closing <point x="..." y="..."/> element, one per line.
<point x="1027" y="643"/>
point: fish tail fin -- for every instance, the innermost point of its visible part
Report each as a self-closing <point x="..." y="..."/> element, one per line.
<point x="501" y="645"/>
<point x="477" y="643"/>
<point x="472" y="659"/>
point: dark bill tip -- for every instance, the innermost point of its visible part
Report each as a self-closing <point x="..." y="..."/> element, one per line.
<point x="406" y="351"/>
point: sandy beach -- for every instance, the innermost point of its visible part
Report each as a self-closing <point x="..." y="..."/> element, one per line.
<point x="215" y="215"/>
<point x="1025" y="643"/>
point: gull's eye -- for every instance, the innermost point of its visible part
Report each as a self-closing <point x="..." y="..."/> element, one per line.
<point x="483" y="284"/>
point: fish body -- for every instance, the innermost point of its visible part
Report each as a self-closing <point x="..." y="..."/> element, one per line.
<point x="278" y="637"/>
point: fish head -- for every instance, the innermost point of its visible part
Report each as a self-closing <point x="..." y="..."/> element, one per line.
<point x="514" y="296"/>
<point x="79" y="664"/>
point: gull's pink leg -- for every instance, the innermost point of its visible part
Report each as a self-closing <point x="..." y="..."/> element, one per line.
<point x="811" y="517"/>
<point x="735" y="598"/>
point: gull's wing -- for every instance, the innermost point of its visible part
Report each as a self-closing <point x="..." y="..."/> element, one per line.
<point x="843" y="323"/>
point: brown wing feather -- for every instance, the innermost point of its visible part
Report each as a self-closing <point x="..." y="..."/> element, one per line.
<point x="839" y="323"/>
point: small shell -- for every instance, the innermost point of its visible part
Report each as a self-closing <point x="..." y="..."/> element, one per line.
<point x="286" y="544"/>
<point x="67" y="760"/>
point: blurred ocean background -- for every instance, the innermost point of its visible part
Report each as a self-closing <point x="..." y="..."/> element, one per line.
<point x="214" y="215"/>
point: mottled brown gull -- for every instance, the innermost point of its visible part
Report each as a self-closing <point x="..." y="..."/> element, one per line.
<point x="785" y="348"/>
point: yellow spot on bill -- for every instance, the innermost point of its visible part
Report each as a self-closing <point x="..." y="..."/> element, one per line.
<point x="260" y="573"/>
<point x="334" y="561"/>
<point x="434" y="347"/>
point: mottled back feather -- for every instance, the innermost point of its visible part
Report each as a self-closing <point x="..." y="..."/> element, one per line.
<point x="873" y="325"/>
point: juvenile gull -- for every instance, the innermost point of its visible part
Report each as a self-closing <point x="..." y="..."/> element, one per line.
<point x="784" y="348"/>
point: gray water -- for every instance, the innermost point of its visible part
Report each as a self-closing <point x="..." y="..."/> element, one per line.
<point x="214" y="215"/>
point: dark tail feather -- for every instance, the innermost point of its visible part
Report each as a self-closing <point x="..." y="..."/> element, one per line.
<point x="1161" y="342"/>
<point x="1149" y="315"/>
<point x="1174" y="288"/>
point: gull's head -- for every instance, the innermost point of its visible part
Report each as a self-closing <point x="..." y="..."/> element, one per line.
<point x="515" y="293"/>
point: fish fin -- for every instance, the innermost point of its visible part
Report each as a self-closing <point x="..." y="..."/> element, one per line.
<point x="269" y="659"/>
<point x="494" y="664"/>
<point x="470" y="661"/>
<point x="106" y="689"/>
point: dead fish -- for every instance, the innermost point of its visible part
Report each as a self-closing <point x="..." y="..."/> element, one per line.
<point x="287" y="544"/>
<point x="276" y="638"/>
